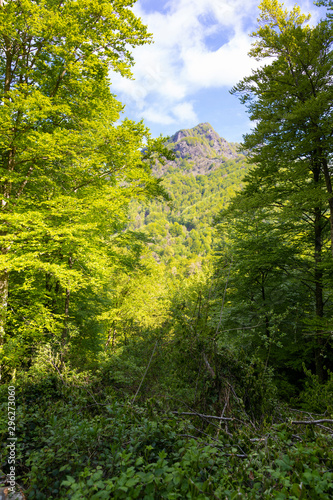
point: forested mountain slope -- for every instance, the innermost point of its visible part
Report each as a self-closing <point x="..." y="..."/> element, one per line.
<point x="165" y="328"/>
<point x="206" y="172"/>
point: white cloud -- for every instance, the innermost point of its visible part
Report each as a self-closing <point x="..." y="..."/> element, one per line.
<point x="182" y="62"/>
<point x="223" y="67"/>
<point x="185" y="112"/>
<point x="163" y="115"/>
<point x="158" y="116"/>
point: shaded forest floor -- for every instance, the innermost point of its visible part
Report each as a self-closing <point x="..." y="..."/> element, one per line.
<point x="124" y="431"/>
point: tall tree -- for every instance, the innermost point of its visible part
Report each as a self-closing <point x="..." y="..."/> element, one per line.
<point x="290" y="99"/>
<point x="67" y="170"/>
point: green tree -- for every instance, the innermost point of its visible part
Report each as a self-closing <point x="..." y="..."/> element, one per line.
<point x="67" y="171"/>
<point x="291" y="143"/>
<point x="291" y="98"/>
<point x="274" y="285"/>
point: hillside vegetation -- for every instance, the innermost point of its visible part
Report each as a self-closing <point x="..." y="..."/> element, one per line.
<point x="165" y="304"/>
<point x="205" y="174"/>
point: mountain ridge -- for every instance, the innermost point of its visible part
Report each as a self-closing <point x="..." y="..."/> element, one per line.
<point x="206" y="173"/>
<point x="198" y="151"/>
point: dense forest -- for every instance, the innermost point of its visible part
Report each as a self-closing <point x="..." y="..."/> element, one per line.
<point x="166" y="305"/>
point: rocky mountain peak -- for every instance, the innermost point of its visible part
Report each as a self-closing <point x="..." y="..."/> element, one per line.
<point x="203" y="129"/>
<point x="199" y="150"/>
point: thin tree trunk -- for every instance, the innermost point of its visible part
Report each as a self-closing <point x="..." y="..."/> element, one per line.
<point x="329" y="190"/>
<point x="318" y="271"/>
<point x="9" y="159"/>
<point x="3" y="307"/>
<point x="68" y="293"/>
<point x="67" y="299"/>
<point x="111" y="336"/>
<point x="319" y="291"/>
<point x="114" y="338"/>
<point x="263" y="295"/>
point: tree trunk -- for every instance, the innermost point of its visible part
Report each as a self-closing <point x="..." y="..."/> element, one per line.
<point x="68" y="293"/>
<point x="111" y="336"/>
<point x="114" y="338"/>
<point x="329" y="189"/>
<point x="3" y="307"/>
<point x="67" y="298"/>
<point x="263" y="296"/>
<point x="318" y="277"/>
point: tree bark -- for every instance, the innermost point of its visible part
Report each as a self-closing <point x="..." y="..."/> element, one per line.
<point x="67" y="299"/>
<point x="329" y="189"/>
<point x="3" y="307"/>
<point x="318" y="279"/>
<point x="111" y="336"/>
<point x="263" y="295"/>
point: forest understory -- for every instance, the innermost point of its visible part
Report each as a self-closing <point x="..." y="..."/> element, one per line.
<point x="166" y="311"/>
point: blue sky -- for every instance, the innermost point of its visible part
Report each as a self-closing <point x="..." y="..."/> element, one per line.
<point x="199" y="52"/>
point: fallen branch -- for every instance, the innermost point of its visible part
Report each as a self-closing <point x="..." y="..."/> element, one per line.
<point x="312" y="422"/>
<point x="202" y="416"/>
<point x="151" y="357"/>
<point x="307" y="412"/>
<point x="209" y="368"/>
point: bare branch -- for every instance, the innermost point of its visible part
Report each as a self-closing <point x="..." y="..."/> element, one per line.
<point x="24" y="183"/>
<point x="151" y="357"/>
<point x="202" y="415"/>
<point x="312" y="422"/>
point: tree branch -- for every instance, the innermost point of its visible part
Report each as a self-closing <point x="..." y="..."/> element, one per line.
<point x="312" y="422"/>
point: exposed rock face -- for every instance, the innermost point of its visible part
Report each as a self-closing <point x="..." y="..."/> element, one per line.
<point x="198" y="151"/>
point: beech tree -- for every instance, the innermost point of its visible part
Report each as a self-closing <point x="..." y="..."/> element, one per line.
<point x="68" y="171"/>
<point x="290" y="100"/>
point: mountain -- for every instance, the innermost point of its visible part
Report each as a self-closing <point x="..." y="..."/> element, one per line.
<point x="199" y="150"/>
<point x="205" y="175"/>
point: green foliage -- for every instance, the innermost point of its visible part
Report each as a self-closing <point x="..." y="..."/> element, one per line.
<point x="195" y="201"/>
<point x="146" y="367"/>
<point x="317" y="397"/>
<point x="276" y="229"/>
<point x="89" y="445"/>
<point x="68" y="170"/>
